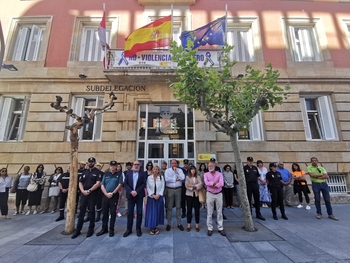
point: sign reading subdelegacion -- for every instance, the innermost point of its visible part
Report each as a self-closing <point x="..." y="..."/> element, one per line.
<point x="155" y="58"/>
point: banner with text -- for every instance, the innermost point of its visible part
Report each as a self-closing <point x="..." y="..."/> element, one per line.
<point x="162" y="59"/>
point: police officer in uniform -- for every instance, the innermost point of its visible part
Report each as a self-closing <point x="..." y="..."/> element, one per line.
<point x="63" y="184"/>
<point x="89" y="181"/>
<point x="251" y="177"/>
<point x="275" y="185"/>
<point x="81" y="169"/>
<point x="110" y="185"/>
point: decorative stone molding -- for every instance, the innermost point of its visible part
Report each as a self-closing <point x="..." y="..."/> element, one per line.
<point x="167" y="2"/>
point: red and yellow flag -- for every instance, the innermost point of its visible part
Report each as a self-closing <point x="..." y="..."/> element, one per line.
<point x="154" y="35"/>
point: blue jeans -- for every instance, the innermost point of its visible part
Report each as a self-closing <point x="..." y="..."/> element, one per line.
<point x="317" y="188"/>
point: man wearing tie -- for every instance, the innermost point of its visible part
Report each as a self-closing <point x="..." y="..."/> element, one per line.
<point x="173" y="179"/>
<point x="135" y="184"/>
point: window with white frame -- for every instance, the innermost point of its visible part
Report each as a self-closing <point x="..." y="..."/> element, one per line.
<point x="253" y="132"/>
<point x="304" y="44"/>
<point x="82" y="104"/>
<point x="242" y="40"/>
<point x="28" y="38"/>
<point x="318" y="118"/>
<point x="28" y="43"/>
<point x="13" y="115"/>
<point x="90" y="47"/>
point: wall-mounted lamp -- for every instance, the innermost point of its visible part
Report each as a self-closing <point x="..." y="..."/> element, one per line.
<point x="82" y="76"/>
<point x="9" y="67"/>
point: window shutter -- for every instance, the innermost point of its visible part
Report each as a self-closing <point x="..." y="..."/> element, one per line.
<point x="293" y="41"/>
<point x="230" y="41"/>
<point x="6" y="116"/>
<point x="34" y="44"/>
<point x="78" y="109"/>
<point x="84" y="46"/>
<point x="306" y="44"/>
<point x="98" y="121"/>
<point x="21" y="127"/>
<point x="255" y="128"/>
<point x="21" y="44"/>
<point x="305" y="119"/>
<point x="326" y="118"/>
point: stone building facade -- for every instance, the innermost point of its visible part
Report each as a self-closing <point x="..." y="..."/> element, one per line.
<point x="52" y="45"/>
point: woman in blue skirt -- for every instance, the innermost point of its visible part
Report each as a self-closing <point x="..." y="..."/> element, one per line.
<point x="155" y="202"/>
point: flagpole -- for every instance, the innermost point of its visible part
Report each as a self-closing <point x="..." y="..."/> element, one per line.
<point x="106" y="62"/>
<point x="172" y="29"/>
<point x="226" y="7"/>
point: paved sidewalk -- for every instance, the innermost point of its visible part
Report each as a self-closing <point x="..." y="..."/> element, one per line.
<point x="303" y="238"/>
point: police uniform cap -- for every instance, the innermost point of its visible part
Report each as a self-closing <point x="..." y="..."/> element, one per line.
<point x="250" y="159"/>
<point x="112" y="163"/>
<point x="272" y="165"/>
<point x="185" y="161"/>
<point x="91" y="160"/>
<point x="212" y="159"/>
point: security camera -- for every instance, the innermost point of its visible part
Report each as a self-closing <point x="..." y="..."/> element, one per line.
<point x="82" y="76"/>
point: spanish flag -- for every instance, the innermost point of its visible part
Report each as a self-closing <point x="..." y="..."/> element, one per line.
<point x="154" y="35"/>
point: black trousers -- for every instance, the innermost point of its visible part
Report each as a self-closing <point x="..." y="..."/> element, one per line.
<point x="87" y="201"/>
<point x="228" y="192"/>
<point x="63" y="200"/>
<point x="99" y="199"/>
<point x="109" y="206"/>
<point x="304" y="190"/>
<point x="277" y="199"/>
<point x="21" y="197"/>
<point x="138" y="201"/>
<point x="183" y="199"/>
<point x="4" y="197"/>
<point x="253" y="190"/>
<point x="192" y="202"/>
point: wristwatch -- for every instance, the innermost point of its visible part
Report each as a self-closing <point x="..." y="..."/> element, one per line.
<point x="89" y="191"/>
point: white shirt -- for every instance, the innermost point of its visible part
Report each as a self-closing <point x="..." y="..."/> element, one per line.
<point x="171" y="176"/>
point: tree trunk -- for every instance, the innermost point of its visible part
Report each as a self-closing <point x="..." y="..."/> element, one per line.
<point x="73" y="183"/>
<point x="248" y="220"/>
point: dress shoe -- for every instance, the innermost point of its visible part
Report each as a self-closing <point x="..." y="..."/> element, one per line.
<point x="183" y="215"/>
<point x="90" y="233"/>
<point x="111" y="233"/>
<point x="103" y="231"/>
<point x="76" y="234"/>
<point x="284" y="217"/>
<point x="168" y="227"/>
<point x="333" y="217"/>
<point x="188" y="229"/>
<point x="275" y="217"/>
<point x="180" y="227"/>
<point x="210" y="232"/>
<point x="222" y="232"/>
<point x="259" y="216"/>
<point x="127" y="233"/>
<point x="138" y="232"/>
<point x="318" y="216"/>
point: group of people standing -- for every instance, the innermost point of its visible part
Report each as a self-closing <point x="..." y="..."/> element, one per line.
<point x="160" y="189"/>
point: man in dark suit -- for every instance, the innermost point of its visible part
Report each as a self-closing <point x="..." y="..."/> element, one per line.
<point x="135" y="184"/>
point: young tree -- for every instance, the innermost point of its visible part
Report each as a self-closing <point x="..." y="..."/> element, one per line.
<point x="229" y="103"/>
<point x="74" y="141"/>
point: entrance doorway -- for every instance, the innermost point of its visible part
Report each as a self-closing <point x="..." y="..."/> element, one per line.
<point x="165" y="132"/>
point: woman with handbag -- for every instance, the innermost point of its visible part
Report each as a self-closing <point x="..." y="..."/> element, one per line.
<point x="5" y="184"/>
<point x="54" y="191"/>
<point x="20" y="188"/>
<point x="34" y="195"/>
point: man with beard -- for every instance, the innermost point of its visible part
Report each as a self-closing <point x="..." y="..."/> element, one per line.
<point x="89" y="182"/>
<point x="135" y="183"/>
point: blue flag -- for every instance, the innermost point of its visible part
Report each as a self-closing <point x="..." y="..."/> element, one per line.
<point x="211" y="34"/>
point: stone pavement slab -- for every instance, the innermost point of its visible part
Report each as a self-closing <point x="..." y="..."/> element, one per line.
<point x="303" y="238"/>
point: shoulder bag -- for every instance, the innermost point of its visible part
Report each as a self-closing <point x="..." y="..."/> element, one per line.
<point x="32" y="187"/>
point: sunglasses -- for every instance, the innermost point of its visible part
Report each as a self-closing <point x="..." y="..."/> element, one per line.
<point x="3" y="171"/>
<point x="319" y="170"/>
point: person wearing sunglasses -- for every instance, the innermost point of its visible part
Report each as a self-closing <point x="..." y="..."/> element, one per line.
<point x="318" y="177"/>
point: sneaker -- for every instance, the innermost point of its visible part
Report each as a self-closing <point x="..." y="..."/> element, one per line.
<point x="15" y="213"/>
<point x="28" y="213"/>
<point x="53" y="211"/>
<point x="300" y="206"/>
<point x="318" y="216"/>
<point x="35" y="212"/>
<point x="119" y="215"/>
<point x="23" y="213"/>
<point x="333" y="217"/>
<point x="43" y="212"/>
<point x="308" y="207"/>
